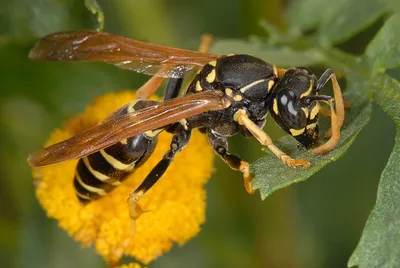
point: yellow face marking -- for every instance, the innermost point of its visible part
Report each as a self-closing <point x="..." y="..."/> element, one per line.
<point x="124" y="141"/>
<point x="313" y="125"/>
<point x="228" y="91"/>
<point x="229" y="55"/>
<point x="271" y="83"/>
<point x="98" y="175"/>
<point x="198" y="86"/>
<point x="243" y="89"/>
<point x="308" y="92"/>
<point x="88" y="187"/>
<point x="296" y="132"/>
<point x="213" y="63"/>
<point x="115" y="163"/>
<point x="211" y="76"/>
<point x="275" y="106"/>
<point x="305" y="110"/>
<point x="314" y="111"/>
<point x="238" y="98"/>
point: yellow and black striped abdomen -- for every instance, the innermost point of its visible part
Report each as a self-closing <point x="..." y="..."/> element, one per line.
<point x="99" y="173"/>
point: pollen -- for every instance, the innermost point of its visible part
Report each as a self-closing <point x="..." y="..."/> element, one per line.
<point x="174" y="207"/>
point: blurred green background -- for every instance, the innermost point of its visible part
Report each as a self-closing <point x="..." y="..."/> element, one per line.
<point x="312" y="224"/>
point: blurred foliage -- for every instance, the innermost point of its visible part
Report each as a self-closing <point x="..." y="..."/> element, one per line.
<point x="313" y="224"/>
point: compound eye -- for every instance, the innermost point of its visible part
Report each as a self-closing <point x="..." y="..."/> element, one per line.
<point x="290" y="111"/>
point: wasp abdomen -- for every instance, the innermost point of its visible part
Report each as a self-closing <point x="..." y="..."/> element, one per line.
<point x="99" y="173"/>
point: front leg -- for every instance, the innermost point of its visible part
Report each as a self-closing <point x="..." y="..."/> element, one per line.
<point x="243" y="119"/>
<point x="220" y="146"/>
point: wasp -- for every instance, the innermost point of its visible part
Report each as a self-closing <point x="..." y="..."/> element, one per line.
<point x="230" y="94"/>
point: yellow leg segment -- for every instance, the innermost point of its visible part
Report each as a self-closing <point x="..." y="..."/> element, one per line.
<point x="337" y="118"/>
<point x="242" y="118"/>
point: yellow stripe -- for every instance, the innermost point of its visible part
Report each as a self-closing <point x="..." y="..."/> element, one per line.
<point x="198" y="86"/>
<point x="211" y="76"/>
<point x="275" y="106"/>
<point x="213" y="63"/>
<point x="82" y="196"/>
<point x="308" y="92"/>
<point x="305" y="110"/>
<point x="275" y="70"/>
<point x="88" y="187"/>
<point x="115" y="163"/>
<point x="98" y="175"/>
<point x="153" y="133"/>
<point x="130" y="106"/>
<point x="243" y="89"/>
<point x="314" y="111"/>
<point x="271" y="83"/>
<point x="313" y="125"/>
<point x="296" y="132"/>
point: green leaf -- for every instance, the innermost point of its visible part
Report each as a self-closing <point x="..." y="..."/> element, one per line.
<point x="380" y="243"/>
<point x="94" y="7"/>
<point x="280" y="56"/>
<point x="384" y="50"/>
<point x="308" y="14"/>
<point x="335" y="21"/>
<point x="349" y="19"/>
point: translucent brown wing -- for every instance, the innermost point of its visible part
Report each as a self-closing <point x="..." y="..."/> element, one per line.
<point x="123" y="52"/>
<point x="115" y="129"/>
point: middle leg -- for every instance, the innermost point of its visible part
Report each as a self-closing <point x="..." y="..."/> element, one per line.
<point x="180" y="139"/>
<point x="220" y="146"/>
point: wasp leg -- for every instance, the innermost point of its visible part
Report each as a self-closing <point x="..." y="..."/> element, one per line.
<point x="173" y="88"/>
<point x="327" y="112"/>
<point x="179" y="141"/>
<point x="337" y="111"/>
<point x="154" y="83"/>
<point x="220" y="146"/>
<point x="205" y="43"/>
<point x="242" y="118"/>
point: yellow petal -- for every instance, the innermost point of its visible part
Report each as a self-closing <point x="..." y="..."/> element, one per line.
<point x="175" y="205"/>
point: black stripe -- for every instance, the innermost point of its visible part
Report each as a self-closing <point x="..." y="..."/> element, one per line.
<point x="120" y="152"/>
<point x="100" y="164"/>
<point x="89" y="179"/>
<point x="79" y="188"/>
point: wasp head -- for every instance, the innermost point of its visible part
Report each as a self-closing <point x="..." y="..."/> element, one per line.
<point x="293" y="109"/>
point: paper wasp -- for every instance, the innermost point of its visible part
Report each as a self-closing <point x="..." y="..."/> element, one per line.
<point x="230" y="94"/>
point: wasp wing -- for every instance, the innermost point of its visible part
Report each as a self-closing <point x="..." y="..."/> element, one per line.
<point x="117" y="128"/>
<point x="125" y="53"/>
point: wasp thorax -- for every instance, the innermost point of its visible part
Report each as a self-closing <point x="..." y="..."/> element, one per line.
<point x="291" y="107"/>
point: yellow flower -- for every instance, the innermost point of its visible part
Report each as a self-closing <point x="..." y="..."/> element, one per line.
<point x="175" y="205"/>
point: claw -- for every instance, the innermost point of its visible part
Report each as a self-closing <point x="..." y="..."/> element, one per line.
<point x="245" y="169"/>
<point x="294" y="163"/>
